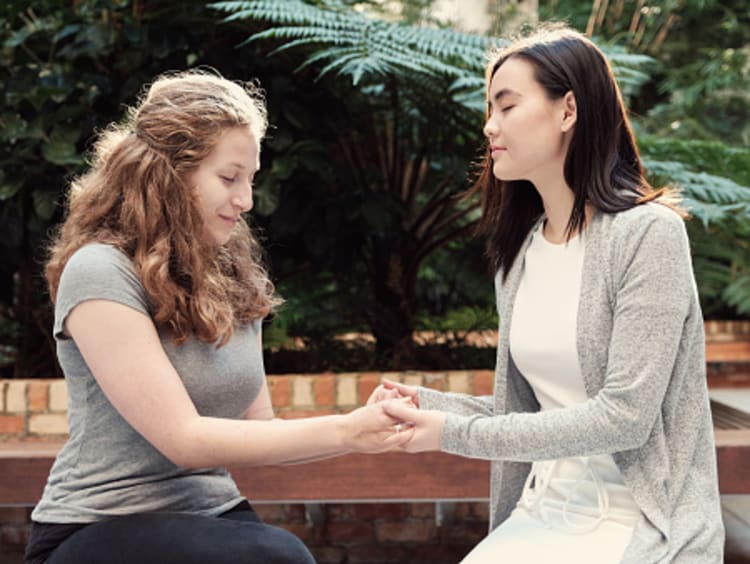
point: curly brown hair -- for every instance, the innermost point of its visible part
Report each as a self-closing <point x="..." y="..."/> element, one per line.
<point x="134" y="197"/>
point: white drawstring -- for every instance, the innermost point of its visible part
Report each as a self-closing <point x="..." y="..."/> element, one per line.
<point x="534" y="500"/>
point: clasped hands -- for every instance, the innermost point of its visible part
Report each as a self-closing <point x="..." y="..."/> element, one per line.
<point x="392" y="420"/>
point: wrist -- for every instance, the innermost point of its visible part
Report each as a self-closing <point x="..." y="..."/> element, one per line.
<point x="342" y="432"/>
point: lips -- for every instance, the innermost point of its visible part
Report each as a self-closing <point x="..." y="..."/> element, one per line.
<point x="229" y="220"/>
<point x="494" y="149"/>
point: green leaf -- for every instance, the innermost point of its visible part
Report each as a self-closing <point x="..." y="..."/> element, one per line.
<point x="61" y="148"/>
<point x="8" y="188"/>
<point x="12" y="126"/>
<point x="45" y="203"/>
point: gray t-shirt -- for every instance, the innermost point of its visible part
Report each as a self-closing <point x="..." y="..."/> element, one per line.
<point x="106" y="468"/>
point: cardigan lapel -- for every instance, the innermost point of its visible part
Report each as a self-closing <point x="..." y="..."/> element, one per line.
<point x="505" y="294"/>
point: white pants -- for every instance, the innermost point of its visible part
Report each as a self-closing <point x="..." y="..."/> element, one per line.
<point x="522" y="539"/>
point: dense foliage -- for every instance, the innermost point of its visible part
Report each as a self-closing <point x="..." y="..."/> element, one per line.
<point x="68" y="69"/>
<point x="376" y="123"/>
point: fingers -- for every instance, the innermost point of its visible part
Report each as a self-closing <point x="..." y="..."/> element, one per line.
<point x="403" y="389"/>
<point x="381" y="393"/>
<point x="402" y="409"/>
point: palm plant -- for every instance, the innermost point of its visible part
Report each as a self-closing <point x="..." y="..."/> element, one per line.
<point x="415" y="98"/>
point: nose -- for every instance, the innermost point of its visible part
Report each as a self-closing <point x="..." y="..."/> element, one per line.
<point x="490" y="128"/>
<point x="243" y="199"/>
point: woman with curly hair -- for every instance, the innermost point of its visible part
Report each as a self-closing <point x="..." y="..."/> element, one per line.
<point x="599" y="431"/>
<point x="159" y="294"/>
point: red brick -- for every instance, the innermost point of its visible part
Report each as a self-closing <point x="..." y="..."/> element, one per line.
<point x="377" y="554"/>
<point x="423" y="510"/>
<point x="462" y="510"/>
<point x="14" y="515"/>
<point x="413" y="530"/>
<point x="443" y="552"/>
<point x="435" y="382"/>
<point x="471" y="532"/>
<point x="300" y="530"/>
<point x="483" y="382"/>
<point x="371" y="511"/>
<point x="271" y="513"/>
<point x="10" y="424"/>
<point x="295" y="512"/>
<point x="328" y="554"/>
<point x="14" y="535"/>
<point x="481" y="510"/>
<point x="337" y="510"/>
<point x="324" y="390"/>
<point x="38" y="393"/>
<point x="366" y="383"/>
<point x="349" y="532"/>
<point x="281" y="390"/>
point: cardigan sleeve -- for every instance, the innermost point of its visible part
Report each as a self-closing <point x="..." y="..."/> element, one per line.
<point x="462" y="404"/>
<point x="652" y="302"/>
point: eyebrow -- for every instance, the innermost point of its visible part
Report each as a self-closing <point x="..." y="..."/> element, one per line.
<point x="503" y="92"/>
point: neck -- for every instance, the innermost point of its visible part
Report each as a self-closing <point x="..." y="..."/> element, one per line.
<point x="557" y="199"/>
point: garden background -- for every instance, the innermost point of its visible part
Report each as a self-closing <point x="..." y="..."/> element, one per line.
<point x="376" y="111"/>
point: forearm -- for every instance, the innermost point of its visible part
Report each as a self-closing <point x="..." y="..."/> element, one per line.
<point x="210" y="441"/>
<point x="580" y="430"/>
<point x="461" y="404"/>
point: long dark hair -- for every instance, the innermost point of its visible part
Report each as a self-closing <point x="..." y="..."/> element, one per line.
<point x="602" y="166"/>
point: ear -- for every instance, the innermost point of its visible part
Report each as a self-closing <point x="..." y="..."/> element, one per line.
<point x="570" y="112"/>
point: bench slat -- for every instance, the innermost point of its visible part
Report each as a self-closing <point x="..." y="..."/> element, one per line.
<point x="728" y="417"/>
<point x="728" y="351"/>
<point x="355" y="477"/>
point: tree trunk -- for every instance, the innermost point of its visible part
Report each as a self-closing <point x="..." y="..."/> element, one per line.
<point x="391" y="316"/>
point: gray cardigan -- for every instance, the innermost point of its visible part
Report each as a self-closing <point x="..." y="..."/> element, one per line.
<point x="642" y="354"/>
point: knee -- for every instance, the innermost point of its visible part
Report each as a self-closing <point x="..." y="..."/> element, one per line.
<point x="283" y="547"/>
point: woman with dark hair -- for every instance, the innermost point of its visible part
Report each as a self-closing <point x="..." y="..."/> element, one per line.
<point x="159" y="293"/>
<point x="599" y="429"/>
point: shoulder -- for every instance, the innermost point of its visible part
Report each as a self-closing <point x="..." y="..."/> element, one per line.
<point x="647" y="242"/>
<point x="643" y="225"/>
<point x="97" y="261"/>
<point x="94" y="254"/>
<point x="645" y="217"/>
<point x="97" y="269"/>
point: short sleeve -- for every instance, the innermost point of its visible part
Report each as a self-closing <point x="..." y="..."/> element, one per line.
<point x="97" y="272"/>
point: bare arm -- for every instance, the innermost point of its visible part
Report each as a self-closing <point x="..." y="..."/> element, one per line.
<point x="122" y="348"/>
<point x="262" y="408"/>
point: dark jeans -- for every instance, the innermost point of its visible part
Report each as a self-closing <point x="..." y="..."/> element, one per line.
<point x="236" y="537"/>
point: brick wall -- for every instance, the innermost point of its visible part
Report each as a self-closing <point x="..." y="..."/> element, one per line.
<point x="349" y="533"/>
<point x="36" y="409"/>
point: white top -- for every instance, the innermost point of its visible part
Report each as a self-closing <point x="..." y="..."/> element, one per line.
<point x="543" y="347"/>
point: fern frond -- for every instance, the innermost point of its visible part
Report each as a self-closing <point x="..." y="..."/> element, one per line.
<point x="394" y="49"/>
<point x="709" y="198"/>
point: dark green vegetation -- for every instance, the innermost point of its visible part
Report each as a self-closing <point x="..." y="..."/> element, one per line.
<point x="376" y="126"/>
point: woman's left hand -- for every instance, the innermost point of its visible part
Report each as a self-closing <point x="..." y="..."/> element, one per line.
<point x="426" y="425"/>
